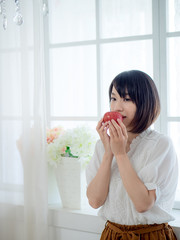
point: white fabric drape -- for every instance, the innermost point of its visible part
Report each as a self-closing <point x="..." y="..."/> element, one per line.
<point x="23" y="173"/>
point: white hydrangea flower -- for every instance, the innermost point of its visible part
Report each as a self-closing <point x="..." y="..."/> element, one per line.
<point x="81" y="141"/>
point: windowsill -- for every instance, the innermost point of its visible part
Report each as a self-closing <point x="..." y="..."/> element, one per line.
<point x="79" y="220"/>
<point x="87" y="219"/>
<point x="176" y="222"/>
<point x="93" y="212"/>
<point x="84" y="220"/>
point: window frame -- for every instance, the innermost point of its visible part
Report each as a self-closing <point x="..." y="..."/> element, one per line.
<point x="159" y="39"/>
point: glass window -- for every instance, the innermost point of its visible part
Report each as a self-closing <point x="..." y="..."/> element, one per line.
<point x="10" y="155"/>
<point x="116" y="18"/>
<point x="80" y="73"/>
<point x="12" y="33"/>
<point x="122" y="56"/>
<point x="73" y="81"/>
<point x="173" y="49"/>
<point x="12" y="87"/>
<point x="173" y="129"/>
<point x="173" y="73"/>
<point x="173" y="15"/>
<point x="73" y="124"/>
<point x="71" y="20"/>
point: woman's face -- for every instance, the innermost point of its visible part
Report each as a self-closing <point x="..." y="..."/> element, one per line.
<point x="123" y="105"/>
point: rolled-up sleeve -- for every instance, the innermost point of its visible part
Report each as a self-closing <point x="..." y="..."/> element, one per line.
<point x="161" y="170"/>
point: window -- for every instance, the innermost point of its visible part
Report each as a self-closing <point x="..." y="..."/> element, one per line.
<point x="12" y="62"/>
<point x="173" y="71"/>
<point x="87" y="43"/>
<point x="10" y="113"/>
<point x="90" y="42"/>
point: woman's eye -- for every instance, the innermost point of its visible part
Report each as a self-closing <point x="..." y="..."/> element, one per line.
<point x="113" y="99"/>
<point x="127" y="99"/>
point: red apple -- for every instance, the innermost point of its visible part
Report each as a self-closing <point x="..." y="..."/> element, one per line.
<point x="112" y="115"/>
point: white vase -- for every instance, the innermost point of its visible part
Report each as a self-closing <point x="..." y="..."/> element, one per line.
<point x="71" y="182"/>
<point x="53" y="191"/>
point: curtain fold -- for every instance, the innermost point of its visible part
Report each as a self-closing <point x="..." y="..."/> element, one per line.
<point x="23" y="165"/>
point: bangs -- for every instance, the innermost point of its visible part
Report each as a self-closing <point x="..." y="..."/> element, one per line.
<point x="124" y="86"/>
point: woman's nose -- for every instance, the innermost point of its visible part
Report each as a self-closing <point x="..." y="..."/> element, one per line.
<point x="119" y="106"/>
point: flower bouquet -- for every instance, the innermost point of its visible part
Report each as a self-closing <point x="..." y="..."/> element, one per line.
<point x="53" y="192"/>
<point x="69" y="153"/>
<point x="76" y="143"/>
<point x="53" y="133"/>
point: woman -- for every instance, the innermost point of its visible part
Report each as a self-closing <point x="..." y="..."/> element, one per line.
<point x="133" y="174"/>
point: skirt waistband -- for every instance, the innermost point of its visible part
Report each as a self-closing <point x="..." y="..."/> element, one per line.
<point x="134" y="230"/>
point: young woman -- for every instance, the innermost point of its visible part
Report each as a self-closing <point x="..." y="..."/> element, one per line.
<point x="133" y="174"/>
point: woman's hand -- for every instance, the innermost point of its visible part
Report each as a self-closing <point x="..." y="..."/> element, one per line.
<point x="118" y="137"/>
<point x="102" y="129"/>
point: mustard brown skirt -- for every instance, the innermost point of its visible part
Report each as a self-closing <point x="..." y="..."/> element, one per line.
<point x="114" y="231"/>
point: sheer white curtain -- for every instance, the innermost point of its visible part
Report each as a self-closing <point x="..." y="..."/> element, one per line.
<point x="23" y="180"/>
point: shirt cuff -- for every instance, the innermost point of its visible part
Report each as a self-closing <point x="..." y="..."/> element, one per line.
<point x="153" y="186"/>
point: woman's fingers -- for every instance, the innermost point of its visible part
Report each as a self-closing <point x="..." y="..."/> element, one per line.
<point x="116" y="129"/>
<point x="102" y="128"/>
<point x="123" y="128"/>
<point x="99" y="124"/>
<point x="113" y="128"/>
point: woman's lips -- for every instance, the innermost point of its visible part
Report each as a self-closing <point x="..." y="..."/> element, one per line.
<point x="123" y="117"/>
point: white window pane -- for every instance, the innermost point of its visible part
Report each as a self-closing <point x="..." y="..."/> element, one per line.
<point x="73" y="81"/>
<point x="174" y="130"/>
<point x="73" y="124"/>
<point x="13" y="35"/>
<point x="173" y="77"/>
<point x="10" y="161"/>
<point x="71" y="20"/>
<point x="10" y="88"/>
<point x="12" y="31"/>
<point x="30" y="81"/>
<point x="125" y="18"/>
<point x="173" y="15"/>
<point x="119" y="57"/>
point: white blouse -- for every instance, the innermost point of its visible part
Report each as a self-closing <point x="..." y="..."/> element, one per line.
<point x="153" y="157"/>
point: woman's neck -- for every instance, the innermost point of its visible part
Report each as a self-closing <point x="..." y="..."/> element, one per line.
<point x="131" y="136"/>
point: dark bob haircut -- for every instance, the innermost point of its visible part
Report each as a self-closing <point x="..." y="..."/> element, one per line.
<point x="143" y="92"/>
